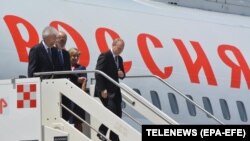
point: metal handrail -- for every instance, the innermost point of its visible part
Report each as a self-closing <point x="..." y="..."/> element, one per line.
<point x="180" y="93"/>
<point x="128" y="115"/>
<point x="85" y="71"/>
<point x="82" y="120"/>
<point x="129" y="100"/>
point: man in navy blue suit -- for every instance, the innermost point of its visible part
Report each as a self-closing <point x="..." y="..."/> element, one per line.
<point x="63" y="54"/>
<point x="111" y="63"/>
<point x="43" y="57"/>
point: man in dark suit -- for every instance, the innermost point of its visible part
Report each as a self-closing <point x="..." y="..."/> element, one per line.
<point x="111" y="63"/>
<point x="63" y="54"/>
<point x="64" y="65"/>
<point x="44" y="57"/>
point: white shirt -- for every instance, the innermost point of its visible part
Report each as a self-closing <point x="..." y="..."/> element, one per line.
<point x="46" y="47"/>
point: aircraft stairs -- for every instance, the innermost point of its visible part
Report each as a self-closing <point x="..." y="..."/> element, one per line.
<point x="45" y="122"/>
<point x="97" y="114"/>
<point x="169" y="100"/>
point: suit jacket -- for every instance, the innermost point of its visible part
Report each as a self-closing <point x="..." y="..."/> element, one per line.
<point x="66" y="59"/>
<point x="106" y="64"/>
<point x="66" y="65"/>
<point x="39" y="60"/>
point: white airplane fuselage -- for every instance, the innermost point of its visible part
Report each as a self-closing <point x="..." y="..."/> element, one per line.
<point x="203" y="54"/>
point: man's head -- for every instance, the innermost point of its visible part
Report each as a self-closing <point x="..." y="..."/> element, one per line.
<point x="49" y="36"/>
<point x="118" y="46"/>
<point x="61" y="40"/>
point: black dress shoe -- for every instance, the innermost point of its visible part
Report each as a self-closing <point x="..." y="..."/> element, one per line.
<point x="102" y="138"/>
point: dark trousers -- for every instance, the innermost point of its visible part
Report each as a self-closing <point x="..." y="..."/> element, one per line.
<point x="114" y="105"/>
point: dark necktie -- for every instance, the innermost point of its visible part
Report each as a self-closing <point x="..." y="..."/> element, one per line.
<point x="61" y="58"/>
<point x="49" y="53"/>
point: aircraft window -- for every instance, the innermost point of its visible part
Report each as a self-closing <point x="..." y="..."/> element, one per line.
<point x="173" y="103"/>
<point x="155" y="99"/>
<point x="225" y="109"/>
<point x="137" y="90"/>
<point x="207" y="105"/>
<point x="242" y="111"/>
<point x="191" y="107"/>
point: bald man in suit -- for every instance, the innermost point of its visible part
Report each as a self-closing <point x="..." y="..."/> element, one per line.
<point x="63" y="54"/>
<point x="111" y="63"/>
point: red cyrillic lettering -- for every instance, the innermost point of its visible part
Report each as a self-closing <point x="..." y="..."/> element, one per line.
<point x="194" y="68"/>
<point x="21" y="44"/>
<point x="148" y="59"/>
<point x="237" y="68"/>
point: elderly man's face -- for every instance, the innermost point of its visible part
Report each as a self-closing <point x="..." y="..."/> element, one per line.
<point x="118" y="48"/>
<point x="61" y="41"/>
<point x="50" y="41"/>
